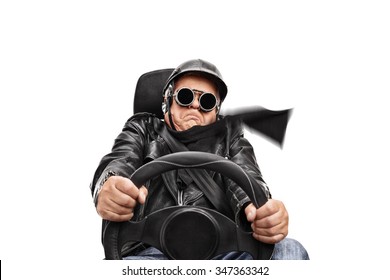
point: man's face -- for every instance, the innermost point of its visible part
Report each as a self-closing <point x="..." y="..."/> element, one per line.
<point x="186" y="117"/>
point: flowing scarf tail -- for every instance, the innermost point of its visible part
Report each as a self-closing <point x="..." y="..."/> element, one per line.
<point x="272" y="124"/>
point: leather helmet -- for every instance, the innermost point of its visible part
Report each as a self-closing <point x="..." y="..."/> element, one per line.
<point x="202" y="66"/>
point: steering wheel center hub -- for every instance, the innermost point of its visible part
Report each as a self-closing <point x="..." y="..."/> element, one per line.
<point x="190" y="234"/>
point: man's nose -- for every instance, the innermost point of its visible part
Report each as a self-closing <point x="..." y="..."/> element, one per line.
<point x="195" y="104"/>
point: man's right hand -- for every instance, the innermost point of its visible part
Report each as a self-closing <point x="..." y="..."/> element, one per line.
<point x="118" y="198"/>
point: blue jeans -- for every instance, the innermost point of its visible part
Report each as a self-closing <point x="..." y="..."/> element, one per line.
<point x="287" y="249"/>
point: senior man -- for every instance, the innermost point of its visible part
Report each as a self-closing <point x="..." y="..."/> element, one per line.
<point x="193" y="95"/>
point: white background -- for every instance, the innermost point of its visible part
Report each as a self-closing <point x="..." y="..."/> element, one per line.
<point x="68" y="71"/>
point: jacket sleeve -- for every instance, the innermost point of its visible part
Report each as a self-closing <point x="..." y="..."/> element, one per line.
<point x="241" y="152"/>
<point x="125" y="157"/>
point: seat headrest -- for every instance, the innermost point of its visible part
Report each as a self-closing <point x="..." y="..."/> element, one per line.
<point x="148" y="95"/>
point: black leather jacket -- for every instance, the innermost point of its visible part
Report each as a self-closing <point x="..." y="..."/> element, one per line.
<point x="139" y="143"/>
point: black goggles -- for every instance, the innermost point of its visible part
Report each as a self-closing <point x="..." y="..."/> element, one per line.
<point x="186" y="96"/>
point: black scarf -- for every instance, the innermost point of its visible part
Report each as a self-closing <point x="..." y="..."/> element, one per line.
<point x="271" y="124"/>
<point x="199" y="138"/>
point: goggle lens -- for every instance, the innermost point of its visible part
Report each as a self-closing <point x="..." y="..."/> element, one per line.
<point x="185" y="97"/>
<point x="207" y="101"/>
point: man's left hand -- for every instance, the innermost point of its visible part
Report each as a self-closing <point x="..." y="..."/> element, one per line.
<point x="269" y="222"/>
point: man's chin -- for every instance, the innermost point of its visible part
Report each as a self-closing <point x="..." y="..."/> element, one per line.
<point x="187" y="125"/>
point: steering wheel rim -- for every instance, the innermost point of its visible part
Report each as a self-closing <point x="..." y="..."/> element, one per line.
<point x="188" y="159"/>
<point x="196" y="160"/>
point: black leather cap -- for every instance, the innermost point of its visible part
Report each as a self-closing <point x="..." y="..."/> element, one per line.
<point x="204" y="67"/>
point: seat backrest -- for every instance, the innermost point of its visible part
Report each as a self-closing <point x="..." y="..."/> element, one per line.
<point x="148" y="95"/>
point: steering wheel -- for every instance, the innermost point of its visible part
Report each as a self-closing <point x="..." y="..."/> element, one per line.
<point x="189" y="232"/>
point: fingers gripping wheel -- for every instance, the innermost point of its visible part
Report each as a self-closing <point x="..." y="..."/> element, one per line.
<point x="186" y="232"/>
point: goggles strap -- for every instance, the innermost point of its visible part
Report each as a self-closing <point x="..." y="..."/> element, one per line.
<point x="168" y="104"/>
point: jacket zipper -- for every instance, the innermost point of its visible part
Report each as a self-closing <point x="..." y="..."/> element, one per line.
<point x="180" y="195"/>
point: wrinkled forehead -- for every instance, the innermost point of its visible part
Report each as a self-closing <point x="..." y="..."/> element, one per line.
<point x="196" y="81"/>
